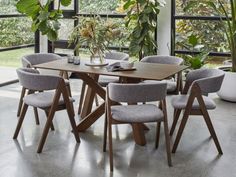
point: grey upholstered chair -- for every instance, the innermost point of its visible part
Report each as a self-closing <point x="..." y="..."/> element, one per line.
<point x="28" y="61"/>
<point x="174" y="85"/>
<point x="195" y="101"/>
<point x="136" y="114"/>
<point x="54" y="97"/>
<point x="104" y="80"/>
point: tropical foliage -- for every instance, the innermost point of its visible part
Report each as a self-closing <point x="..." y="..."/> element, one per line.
<point x="43" y="18"/>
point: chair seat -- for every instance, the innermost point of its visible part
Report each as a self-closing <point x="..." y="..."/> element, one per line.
<point x="180" y="102"/>
<point x="171" y="85"/>
<point x="137" y="113"/>
<point x="42" y="99"/>
<point x="105" y="80"/>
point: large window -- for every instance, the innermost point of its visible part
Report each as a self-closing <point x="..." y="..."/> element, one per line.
<point x="16" y="39"/>
<point x="201" y="21"/>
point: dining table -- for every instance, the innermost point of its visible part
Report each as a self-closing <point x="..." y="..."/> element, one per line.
<point x="90" y="75"/>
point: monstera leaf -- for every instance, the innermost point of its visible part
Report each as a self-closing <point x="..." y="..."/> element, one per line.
<point x="43" y="18"/>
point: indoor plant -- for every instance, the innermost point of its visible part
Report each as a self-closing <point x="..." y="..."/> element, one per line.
<point x="44" y="19"/>
<point x="142" y="19"/>
<point x="227" y="91"/>
<point x="95" y="34"/>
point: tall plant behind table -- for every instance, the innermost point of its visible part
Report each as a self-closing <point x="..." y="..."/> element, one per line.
<point x="221" y="8"/>
<point x="95" y="34"/>
<point x="142" y="19"/>
<point x="44" y="19"/>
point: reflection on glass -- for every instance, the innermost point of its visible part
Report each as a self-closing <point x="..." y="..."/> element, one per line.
<point x="67" y="26"/>
<point x="7" y="7"/>
<point x="15" y="31"/>
<point x="98" y="6"/>
<point x="210" y="33"/>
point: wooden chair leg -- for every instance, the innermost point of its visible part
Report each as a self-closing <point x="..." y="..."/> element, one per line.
<point x="36" y="115"/>
<point x="157" y="134"/>
<point x="20" y="121"/>
<point x="96" y="100"/>
<point x="81" y="100"/>
<point x="46" y="130"/>
<point x="52" y="126"/>
<point x="175" y="120"/>
<point x="212" y="132"/>
<point x="110" y="145"/>
<point x="21" y="101"/>
<point x="180" y="131"/>
<point x="105" y="132"/>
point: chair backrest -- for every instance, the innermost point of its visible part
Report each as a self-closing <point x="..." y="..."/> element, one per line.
<point x="134" y="93"/>
<point x="117" y="56"/>
<point x="31" y="79"/>
<point x="162" y="59"/>
<point x="38" y="58"/>
<point x="209" y="80"/>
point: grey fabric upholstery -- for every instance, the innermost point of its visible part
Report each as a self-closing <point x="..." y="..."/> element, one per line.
<point x="133" y="93"/>
<point x="162" y="59"/>
<point x="137" y="113"/>
<point x="180" y="102"/>
<point x="104" y="80"/>
<point x="31" y="79"/>
<point x="113" y="55"/>
<point x="171" y="85"/>
<point x="209" y="80"/>
<point x="38" y="58"/>
<point x="42" y="99"/>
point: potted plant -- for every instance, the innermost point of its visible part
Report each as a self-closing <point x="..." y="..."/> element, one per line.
<point x="95" y="34"/>
<point x="44" y="19"/>
<point x="227" y="91"/>
<point x="142" y="20"/>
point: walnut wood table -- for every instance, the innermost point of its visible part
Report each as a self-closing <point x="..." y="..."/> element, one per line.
<point x="90" y="76"/>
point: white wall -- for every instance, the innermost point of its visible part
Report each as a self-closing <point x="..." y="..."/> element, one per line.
<point x="163" y="32"/>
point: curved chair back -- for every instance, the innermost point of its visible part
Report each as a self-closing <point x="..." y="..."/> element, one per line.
<point x="31" y="79"/>
<point x="209" y="80"/>
<point x="117" y="56"/>
<point x="162" y="59"/>
<point x="38" y="58"/>
<point x="133" y="93"/>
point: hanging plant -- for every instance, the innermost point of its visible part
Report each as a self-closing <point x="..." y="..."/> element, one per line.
<point x="44" y="19"/>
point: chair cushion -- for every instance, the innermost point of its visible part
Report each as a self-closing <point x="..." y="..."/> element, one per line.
<point x="42" y="99"/>
<point x="136" y="113"/>
<point x="171" y="85"/>
<point x="105" y="80"/>
<point x="180" y="102"/>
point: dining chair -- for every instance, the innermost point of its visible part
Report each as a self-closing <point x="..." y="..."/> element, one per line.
<point x="28" y="61"/>
<point x="195" y="101"/>
<point x="52" y="96"/>
<point x="136" y="114"/>
<point x="105" y="80"/>
<point x="174" y="84"/>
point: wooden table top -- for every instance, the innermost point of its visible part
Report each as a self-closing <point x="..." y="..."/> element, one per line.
<point x="143" y="70"/>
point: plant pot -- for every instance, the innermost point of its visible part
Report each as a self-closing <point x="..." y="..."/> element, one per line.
<point x="227" y="91"/>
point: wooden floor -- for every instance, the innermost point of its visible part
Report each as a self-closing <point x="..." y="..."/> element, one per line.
<point x="196" y="155"/>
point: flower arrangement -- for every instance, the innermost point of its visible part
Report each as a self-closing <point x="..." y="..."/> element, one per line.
<point x="94" y="33"/>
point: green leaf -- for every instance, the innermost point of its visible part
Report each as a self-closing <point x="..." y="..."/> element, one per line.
<point x="65" y="2"/>
<point x="24" y="6"/>
<point x="52" y="35"/>
<point x="193" y="40"/>
<point x="128" y="4"/>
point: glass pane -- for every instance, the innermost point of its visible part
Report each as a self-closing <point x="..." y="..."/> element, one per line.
<point x="210" y="33"/>
<point x="8" y="7"/>
<point x="98" y="6"/>
<point x="15" y="31"/>
<point x="70" y="7"/>
<point x="67" y="26"/>
<point x="200" y="9"/>
<point x="9" y="61"/>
